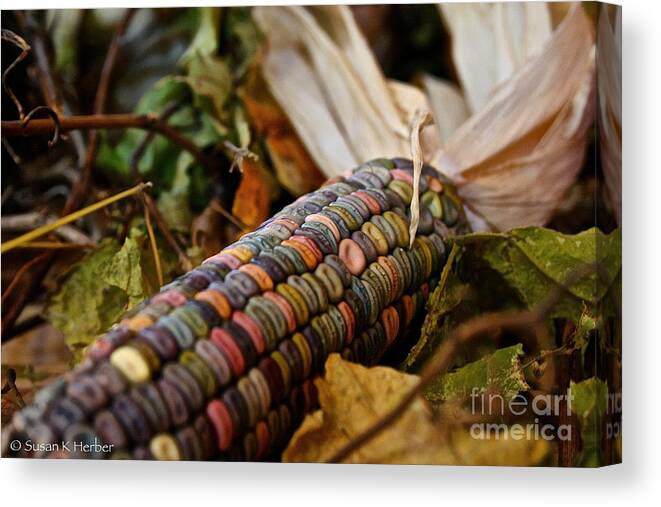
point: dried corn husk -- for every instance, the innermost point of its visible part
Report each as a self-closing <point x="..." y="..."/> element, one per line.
<point x="447" y="104"/>
<point x="515" y="159"/>
<point x="320" y="69"/>
<point x="609" y="58"/>
<point x="490" y="41"/>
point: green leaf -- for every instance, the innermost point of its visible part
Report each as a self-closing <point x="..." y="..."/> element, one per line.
<point x="211" y="81"/>
<point x="206" y="37"/>
<point x="242" y="38"/>
<point x="535" y="260"/>
<point x="104" y="285"/>
<point x="499" y="373"/>
<point x="124" y="269"/>
<point x="443" y="300"/>
<point x="85" y="304"/>
<point x="587" y="323"/>
<point x="174" y="203"/>
<point x="589" y="400"/>
<point x="158" y="160"/>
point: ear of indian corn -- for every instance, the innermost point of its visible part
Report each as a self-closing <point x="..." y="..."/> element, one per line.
<point x="221" y="362"/>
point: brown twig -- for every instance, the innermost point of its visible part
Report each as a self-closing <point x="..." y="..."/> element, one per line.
<point x="216" y="206"/>
<point x="148" y="122"/>
<point x="52" y="114"/>
<point x="80" y="190"/>
<point x="184" y="259"/>
<point x="25" y="48"/>
<point x="10" y="385"/>
<point x="37" y="268"/>
<point x="44" y="73"/>
<point x="152" y="241"/>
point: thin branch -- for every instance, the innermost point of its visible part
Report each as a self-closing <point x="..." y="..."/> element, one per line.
<point x="148" y="122"/>
<point x="25" y="48"/>
<point x="80" y="190"/>
<point x="45" y="229"/>
<point x="44" y="73"/>
<point x="33" y="219"/>
<point x="152" y="241"/>
<point x="55" y="245"/>
<point x="10" y="385"/>
<point x="52" y="114"/>
<point x="216" y="206"/>
<point x="184" y="259"/>
<point x="40" y="265"/>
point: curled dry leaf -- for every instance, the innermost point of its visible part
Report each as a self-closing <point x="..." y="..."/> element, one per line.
<point x="514" y="160"/>
<point x="609" y="58"/>
<point x="252" y="200"/>
<point x="343" y="117"/>
<point x="352" y="397"/>
<point x="294" y="168"/>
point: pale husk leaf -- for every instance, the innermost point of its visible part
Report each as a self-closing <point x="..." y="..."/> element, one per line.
<point x="447" y="105"/>
<point x="490" y="41"/>
<point x="609" y="60"/>
<point x="514" y="160"/>
<point x="368" y="129"/>
<point x="285" y="69"/>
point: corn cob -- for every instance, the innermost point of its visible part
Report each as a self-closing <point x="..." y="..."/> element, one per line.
<point x="219" y="363"/>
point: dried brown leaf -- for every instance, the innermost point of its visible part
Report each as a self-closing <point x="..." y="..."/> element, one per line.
<point x="352" y="397"/>
<point x="294" y="168"/>
<point x="252" y="200"/>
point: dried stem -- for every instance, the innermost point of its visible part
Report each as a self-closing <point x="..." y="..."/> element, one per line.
<point x="81" y="188"/>
<point x="25" y="48"/>
<point x="216" y="206"/>
<point x="45" y="229"/>
<point x="37" y="267"/>
<point x="152" y="241"/>
<point x="44" y="73"/>
<point x="55" y="245"/>
<point x="148" y="122"/>
<point x="184" y="260"/>
<point x="10" y="385"/>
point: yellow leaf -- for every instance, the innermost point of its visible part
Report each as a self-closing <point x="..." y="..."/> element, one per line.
<point x="353" y="397"/>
